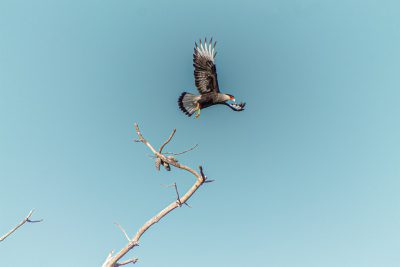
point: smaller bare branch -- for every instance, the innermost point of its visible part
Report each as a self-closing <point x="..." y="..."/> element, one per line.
<point x="205" y="179"/>
<point x="144" y="141"/>
<point x="167" y="186"/>
<point x="35" y="221"/>
<point x="25" y="220"/>
<point x="141" y="139"/>
<point x="168" y="140"/>
<point x="178" y="198"/>
<point x="123" y="231"/>
<point x="108" y="259"/>
<point x="183" y="152"/>
<point x="202" y="173"/>
<point x="133" y="261"/>
<point x="110" y="254"/>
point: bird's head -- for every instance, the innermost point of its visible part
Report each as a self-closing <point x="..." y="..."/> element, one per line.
<point x="231" y="97"/>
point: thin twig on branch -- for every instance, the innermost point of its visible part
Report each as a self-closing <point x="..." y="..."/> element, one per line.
<point x="123" y="231"/>
<point x="158" y="160"/>
<point x="113" y="261"/>
<point x="168" y="140"/>
<point x="25" y="220"/>
<point x="175" y="154"/>
<point x="180" y="153"/>
<point x="178" y="198"/>
<point x="133" y="261"/>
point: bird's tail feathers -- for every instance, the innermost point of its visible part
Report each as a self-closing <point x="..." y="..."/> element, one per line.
<point x="187" y="103"/>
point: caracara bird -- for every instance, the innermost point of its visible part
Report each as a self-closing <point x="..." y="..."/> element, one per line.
<point x="205" y="75"/>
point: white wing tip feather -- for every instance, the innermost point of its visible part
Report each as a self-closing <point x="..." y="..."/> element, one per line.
<point x="206" y="50"/>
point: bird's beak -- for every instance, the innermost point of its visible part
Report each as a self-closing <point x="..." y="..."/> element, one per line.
<point x="234" y="100"/>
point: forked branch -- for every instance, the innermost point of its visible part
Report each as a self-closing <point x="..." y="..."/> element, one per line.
<point x="168" y="140"/>
<point x="113" y="260"/>
<point x="25" y="220"/>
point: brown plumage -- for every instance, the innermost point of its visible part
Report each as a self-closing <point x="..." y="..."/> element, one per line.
<point x="206" y="81"/>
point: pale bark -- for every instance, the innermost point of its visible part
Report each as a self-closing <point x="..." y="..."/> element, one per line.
<point x="113" y="260"/>
<point x="25" y="220"/>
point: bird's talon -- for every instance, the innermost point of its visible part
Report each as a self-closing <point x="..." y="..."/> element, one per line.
<point x="198" y="111"/>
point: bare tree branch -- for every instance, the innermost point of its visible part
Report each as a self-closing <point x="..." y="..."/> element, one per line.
<point x="123" y="231"/>
<point x="133" y="261"/>
<point x="178" y="199"/>
<point x="177" y="195"/>
<point x="168" y="140"/>
<point x="25" y="220"/>
<point x="180" y="153"/>
<point x="175" y="154"/>
<point x="108" y="259"/>
<point x="112" y="261"/>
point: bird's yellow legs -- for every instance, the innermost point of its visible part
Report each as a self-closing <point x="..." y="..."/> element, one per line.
<point x="197" y="110"/>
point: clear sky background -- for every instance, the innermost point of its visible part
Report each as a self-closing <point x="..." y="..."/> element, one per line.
<point x="307" y="176"/>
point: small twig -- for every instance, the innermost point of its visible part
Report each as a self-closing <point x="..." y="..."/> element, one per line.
<point x="202" y="173"/>
<point x="133" y="261"/>
<point x="204" y="176"/>
<point x="180" y="153"/>
<point x="108" y="259"/>
<point x="175" y="154"/>
<point x="167" y="186"/>
<point x="123" y="231"/>
<point x="25" y="220"/>
<point x="178" y="198"/>
<point x="35" y="221"/>
<point x="168" y="140"/>
<point x="141" y="139"/>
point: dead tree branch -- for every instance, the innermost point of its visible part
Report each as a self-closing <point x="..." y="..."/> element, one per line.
<point x="113" y="261"/>
<point x="123" y="231"/>
<point x="176" y="154"/>
<point x="183" y="152"/>
<point x="25" y="220"/>
<point x="133" y="261"/>
<point x="168" y="140"/>
<point x="178" y="198"/>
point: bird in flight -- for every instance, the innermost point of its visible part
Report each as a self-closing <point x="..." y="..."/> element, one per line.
<point x="205" y="75"/>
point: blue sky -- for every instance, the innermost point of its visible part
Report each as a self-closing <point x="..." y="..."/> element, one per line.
<point x="308" y="175"/>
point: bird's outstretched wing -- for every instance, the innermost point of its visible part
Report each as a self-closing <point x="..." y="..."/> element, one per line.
<point x="236" y="107"/>
<point x="205" y="72"/>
